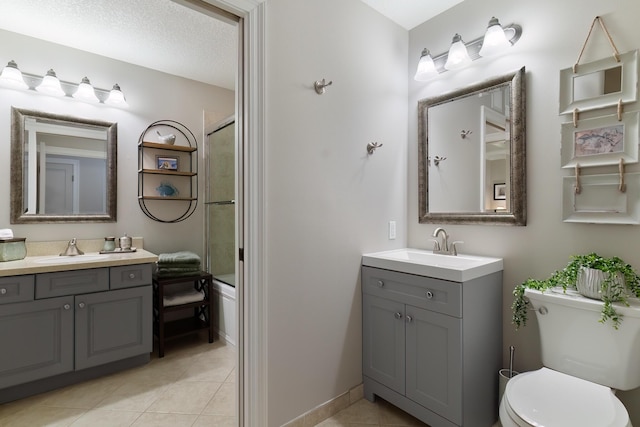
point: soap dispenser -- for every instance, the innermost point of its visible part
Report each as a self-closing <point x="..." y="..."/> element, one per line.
<point x="125" y="242"/>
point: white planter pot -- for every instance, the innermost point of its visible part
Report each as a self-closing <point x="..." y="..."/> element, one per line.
<point x="589" y="282"/>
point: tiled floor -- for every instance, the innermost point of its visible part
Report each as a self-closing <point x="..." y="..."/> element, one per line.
<point x="193" y="385"/>
<point x="364" y="413"/>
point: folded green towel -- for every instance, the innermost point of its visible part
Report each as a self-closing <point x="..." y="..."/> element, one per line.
<point x="195" y="265"/>
<point x="182" y="257"/>
<point x="177" y="274"/>
<point x="178" y="269"/>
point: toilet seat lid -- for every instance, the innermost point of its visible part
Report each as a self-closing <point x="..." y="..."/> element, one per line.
<point x="550" y="398"/>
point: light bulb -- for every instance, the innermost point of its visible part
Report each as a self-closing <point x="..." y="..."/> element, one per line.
<point x="116" y="97"/>
<point x="12" y="77"/>
<point x="458" y="56"/>
<point x="426" y="67"/>
<point x="50" y="85"/>
<point x="85" y="92"/>
<point x="495" y="40"/>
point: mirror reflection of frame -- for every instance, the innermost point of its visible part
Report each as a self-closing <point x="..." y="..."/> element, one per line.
<point x="459" y="190"/>
<point x="63" y="168"/>
<point x="599" y="84"/>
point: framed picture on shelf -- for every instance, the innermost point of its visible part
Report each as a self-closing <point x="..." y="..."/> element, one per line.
<point x="167" y="163"/>
<point x="500" y="191"/>
<point x="601" y="141"/>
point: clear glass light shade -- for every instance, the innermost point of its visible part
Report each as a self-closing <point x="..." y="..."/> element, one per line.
<point x="426" y="67"/>
<point x="116" y="97"/>
<point x="50" y="85"/>
<point x="458" y="56"/>
<point x="495" y="40"/>
<point x="12" y="77"/>
<point x="85" y="92"/>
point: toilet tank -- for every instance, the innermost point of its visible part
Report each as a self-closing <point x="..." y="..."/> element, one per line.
<point x="573" y="341"/>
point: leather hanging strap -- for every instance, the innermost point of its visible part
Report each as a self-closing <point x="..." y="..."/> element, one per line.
<point x="616" y="54"/>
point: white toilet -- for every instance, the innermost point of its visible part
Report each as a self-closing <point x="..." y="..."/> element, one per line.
<point x="584" y="361"/>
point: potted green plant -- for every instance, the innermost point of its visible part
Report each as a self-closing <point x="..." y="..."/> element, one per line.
<point x="594" y="276"/>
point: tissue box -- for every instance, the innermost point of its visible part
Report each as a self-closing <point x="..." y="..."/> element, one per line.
<point x="13" y="249"/>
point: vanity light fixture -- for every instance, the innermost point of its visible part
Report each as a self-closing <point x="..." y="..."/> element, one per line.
<point x="458" y="56"/>
<point x="426" y="67"/>
<point x="116" y="97"/>
<point x="85" y="91"/>
<point x="50" y="84"/>
<point x="495" y="41"/>
<point x="11" y="77"/>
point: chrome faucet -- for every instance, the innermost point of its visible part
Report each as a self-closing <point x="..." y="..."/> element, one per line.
<point x="72" y="249"/>
<point x="442" y="247"/>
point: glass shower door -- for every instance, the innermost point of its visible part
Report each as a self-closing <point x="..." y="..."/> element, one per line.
<point x="220" y="203"/>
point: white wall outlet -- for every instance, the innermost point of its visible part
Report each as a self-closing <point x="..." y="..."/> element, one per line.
<point x="392" y="230"/>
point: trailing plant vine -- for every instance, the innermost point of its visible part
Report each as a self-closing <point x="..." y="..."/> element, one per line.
<point x="611" y="289"/>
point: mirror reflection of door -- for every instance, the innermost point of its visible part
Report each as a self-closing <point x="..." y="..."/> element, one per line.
<point x="60" y="196"/>
<point x="495" y="160"/>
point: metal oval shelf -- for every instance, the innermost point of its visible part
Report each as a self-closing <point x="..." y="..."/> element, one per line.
<point x="185" y="136"/>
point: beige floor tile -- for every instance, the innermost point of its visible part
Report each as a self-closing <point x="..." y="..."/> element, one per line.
<point x="134" y="396"/>
<point x="165" y="420"/>
<point x="392" y="416"/>
<point x="215" y="420"/>
<point x="188" y="397"/>
<point x="102" y="418"/>
<point x="231" y="378"/>
<point x="362" y="411"/>
<point x="43" y="417"/>
<point x="83" y="395"/>
<point x="223" y="402"/>
<point x="216" y="370"/>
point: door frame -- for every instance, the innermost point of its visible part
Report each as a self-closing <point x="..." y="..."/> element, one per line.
<point x="251" y="284"/>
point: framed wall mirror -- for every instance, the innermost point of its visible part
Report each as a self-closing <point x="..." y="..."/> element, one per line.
<point x="63" y="168"/>
<point x="471" y="146"/>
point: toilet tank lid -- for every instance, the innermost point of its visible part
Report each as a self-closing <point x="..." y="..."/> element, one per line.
<point x="549" y="398"/>
<point x="571" y="298"/>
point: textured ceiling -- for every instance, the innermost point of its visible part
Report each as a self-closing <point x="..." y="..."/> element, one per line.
<point x="157" y="34"/>
<point x="410" y="13"/>
<point x="161" y="34"/>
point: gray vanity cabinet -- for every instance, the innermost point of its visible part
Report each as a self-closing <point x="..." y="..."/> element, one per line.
<point x="113" y="325"/>
<point x="433" y="347"/>
<point x="63" y="327"/>
<point x="37" y="340"/>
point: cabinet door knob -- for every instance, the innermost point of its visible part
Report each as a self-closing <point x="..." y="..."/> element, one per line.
<point x="398" y="315"/>
<point x="132" y="276"/>
<point x="380" y="283"/>
<point x="409" y="319"/>
<point x="3" y="291"/>
<point x="66" y="306"/>
<point x="81" y="305"/>
<point x="429" y="294"/>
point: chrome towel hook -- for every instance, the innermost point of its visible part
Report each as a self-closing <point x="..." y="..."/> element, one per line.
<point x="319" y="86"/>
<point x="371" y="147"/>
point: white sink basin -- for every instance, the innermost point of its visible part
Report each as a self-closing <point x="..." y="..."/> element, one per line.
<point x="69" y="259"/>
<point x="458" y="268"/>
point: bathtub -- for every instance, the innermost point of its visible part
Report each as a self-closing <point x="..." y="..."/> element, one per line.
<point x="224" y="297"/>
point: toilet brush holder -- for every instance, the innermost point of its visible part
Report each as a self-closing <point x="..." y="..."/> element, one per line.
<point x="504" y="375"/>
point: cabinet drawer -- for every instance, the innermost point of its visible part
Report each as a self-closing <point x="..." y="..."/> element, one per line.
<point x="129" y="276"/>
<point x="71" y="282"/>
<point x="16" y="289"/>
<point x="432" y="294"/>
